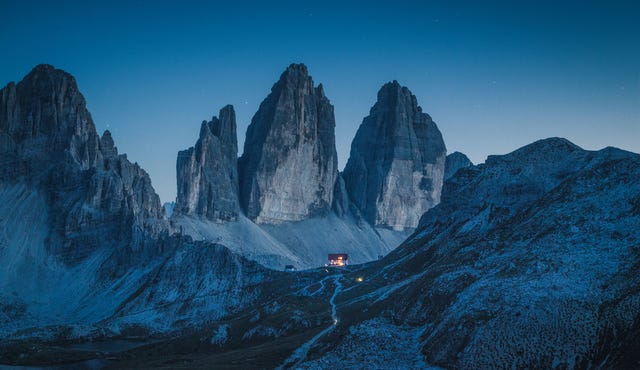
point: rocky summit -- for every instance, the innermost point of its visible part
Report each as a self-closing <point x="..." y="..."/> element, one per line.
<point x="43" y="117"/>
<point x="207" y="173"/>
<point x="396" y="166"/>
<point x="454" y="162"/>
<point x="289" y="166"/>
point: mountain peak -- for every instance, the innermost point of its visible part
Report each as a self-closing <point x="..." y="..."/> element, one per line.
<point x="393" y="96"/>
<point x="107" y="146"/>
<point x="296" y="69"/>
<point x="46" y="73"/>
<point x="392" y="85"/>
<point x="227" y="110"/>
<point x="543" y="150"/>
<point x="224" y="127"/>
<point x="396" y="166"/>
<point x="52" y="112"/>
<point x="289" y="165"/>
<point x="548" y="147"/>
<point x="207" y="174"/>
<point x="454" y="162"/>
<point x="553" y="142"/>
<point x="296" y="76"/>
<point x="44" y="68"/>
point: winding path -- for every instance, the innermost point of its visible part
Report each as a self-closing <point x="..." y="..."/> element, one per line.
<point x="301" y="352"/>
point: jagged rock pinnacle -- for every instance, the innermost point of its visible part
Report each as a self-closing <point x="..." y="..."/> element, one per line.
<point x="289" y="165"/>
<point x="396" y="167"/>
<point x="207" y="173"/>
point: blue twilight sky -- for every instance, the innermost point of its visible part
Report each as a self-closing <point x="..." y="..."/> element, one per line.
<point x="494" y="75"/>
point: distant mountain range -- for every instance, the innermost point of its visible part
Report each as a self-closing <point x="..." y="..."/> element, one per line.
<point x="529" y="260"/>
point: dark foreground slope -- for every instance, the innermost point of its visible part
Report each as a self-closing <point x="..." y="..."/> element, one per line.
<point x="530" y="261"/>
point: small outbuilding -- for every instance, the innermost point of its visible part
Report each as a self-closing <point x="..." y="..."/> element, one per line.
<point x="338" y="259"/>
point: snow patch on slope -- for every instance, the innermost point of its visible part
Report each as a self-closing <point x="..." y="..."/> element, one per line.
<point x="36" y="289"/>
<point x="304" y="244"/>
<point x="40" y="295"/>
<point x="314" y="238"/>
<point x="243" y="237"/>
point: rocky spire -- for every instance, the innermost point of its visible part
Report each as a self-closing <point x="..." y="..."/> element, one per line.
<point x="107" y="146"/>
<point x="454" y="162"/>
<point x="396" y="166"/>
<point x="207" y="173"/>
<point x="289" y="166"/>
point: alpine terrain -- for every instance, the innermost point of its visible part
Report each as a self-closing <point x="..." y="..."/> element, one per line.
<point x="528" y="260"/>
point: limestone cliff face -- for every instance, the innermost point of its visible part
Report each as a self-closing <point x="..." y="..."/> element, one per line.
<point x="396" y="166"/>
<point x="42" y="118"/>
<point x="96" y="197"/>
<point x="207" y="173"/>
<point x="454" y="162"/>
<point x="289" y="166"/>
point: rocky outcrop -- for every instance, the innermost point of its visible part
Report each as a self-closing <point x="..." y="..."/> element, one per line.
<point x="207" y="173"/>
<point x="341" y="202"/>
<point x="96" y="197"/>
<point x="518" y="248"/>
<point x="454" y="162"/>
<point x="506" y="183"/>
<point x="530" y="259"/>
<point x="396" y="166"/>
<point x="168" y="208"/>
<point x="289" y="166"/>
